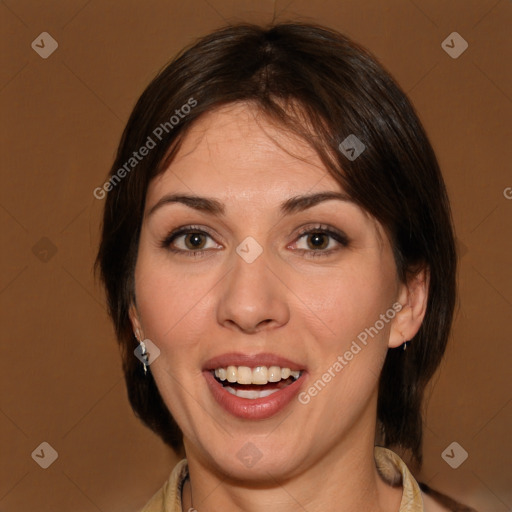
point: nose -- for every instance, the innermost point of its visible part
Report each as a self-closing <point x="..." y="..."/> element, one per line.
<point x="252" y="298"/>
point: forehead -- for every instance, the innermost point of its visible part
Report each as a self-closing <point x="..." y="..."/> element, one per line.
<point x="237" y="152"/>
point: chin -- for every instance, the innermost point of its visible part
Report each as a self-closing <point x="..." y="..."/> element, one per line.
<point x="255" y="459"/>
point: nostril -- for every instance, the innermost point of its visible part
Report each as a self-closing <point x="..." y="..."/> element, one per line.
<point x="264" y="323"/>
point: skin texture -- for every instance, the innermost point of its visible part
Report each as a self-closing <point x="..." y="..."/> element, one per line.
<point x="302" y="306"/>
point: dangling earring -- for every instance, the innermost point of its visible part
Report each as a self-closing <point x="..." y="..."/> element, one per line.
<point x="144" y="356"/>
<point x="404" y="344"/>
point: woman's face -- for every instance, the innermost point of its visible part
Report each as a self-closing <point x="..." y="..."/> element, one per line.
<point x="254" y="266"/>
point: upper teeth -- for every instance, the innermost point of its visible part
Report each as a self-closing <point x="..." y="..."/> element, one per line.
<point x="257" y="375"/>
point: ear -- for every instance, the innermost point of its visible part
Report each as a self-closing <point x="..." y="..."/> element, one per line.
<point x="136" y="324"/>
<point x="412" y="296"/>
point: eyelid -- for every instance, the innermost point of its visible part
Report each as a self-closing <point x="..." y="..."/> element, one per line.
<point x="339" y="236"/>
<point x="341" y="240"/>
<point x="184" y="230"/>
<point x="335" y="233"/>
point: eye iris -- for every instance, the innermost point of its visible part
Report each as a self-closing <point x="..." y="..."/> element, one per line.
<point x="318" y="241"/>
<point x="195" y="241"/>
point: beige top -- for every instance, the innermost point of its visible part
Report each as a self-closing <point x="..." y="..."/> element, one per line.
<point x="389" y="464"/>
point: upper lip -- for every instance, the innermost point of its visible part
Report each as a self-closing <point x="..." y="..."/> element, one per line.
<point x="251" y="360"/>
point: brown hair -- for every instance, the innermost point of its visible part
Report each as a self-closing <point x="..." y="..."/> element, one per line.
<point x="322" y="86"/>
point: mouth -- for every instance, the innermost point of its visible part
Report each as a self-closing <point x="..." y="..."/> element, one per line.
<point x="253" y="387"/>
<point x="255" y="383"/>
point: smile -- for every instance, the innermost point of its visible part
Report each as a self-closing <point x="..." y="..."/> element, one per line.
<point x="253" y="387"/>
<point x="254" y="383"/>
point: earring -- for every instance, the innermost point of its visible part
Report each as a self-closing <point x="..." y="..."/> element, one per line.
<point x="144" y="354"/>
<point x="144" y="357"/>
<point x="404" y="344"/>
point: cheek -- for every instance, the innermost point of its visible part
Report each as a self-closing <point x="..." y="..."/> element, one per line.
<point x="351" y="298"/>
<point x="350" y="356"/>
<point x="173" y="306"/>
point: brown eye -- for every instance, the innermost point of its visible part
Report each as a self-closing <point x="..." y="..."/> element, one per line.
<point x="194" y="241"/>
<point x="317" y="241"/>
<point x="320" y="241"/>
<point x="189" y="240"/>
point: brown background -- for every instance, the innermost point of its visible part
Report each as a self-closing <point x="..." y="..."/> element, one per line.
<point x="62" y="118"/>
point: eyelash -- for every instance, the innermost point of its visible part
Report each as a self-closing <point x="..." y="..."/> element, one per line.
<point x="171" y="237"/>
<point x="338" y="236"/>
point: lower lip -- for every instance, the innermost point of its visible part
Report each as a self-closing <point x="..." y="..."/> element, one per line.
<point x="257" y="409"/>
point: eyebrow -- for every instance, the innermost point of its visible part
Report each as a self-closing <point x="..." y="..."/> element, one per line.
<point x="209" y="205"/>
<point x="203" y="204"/>
<point x="301" y="203"/>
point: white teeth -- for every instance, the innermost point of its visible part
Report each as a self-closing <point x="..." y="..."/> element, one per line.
<point x="260" y="375"/>
<point x="274" y="374"/>
<point x="231" y="373"/>
<point x="244" y="375"/>
<point x="221" y="373"/>
<point x="250" y="394"/>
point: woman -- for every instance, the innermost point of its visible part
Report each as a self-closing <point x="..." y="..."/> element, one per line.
<point x="277" y="250"/>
